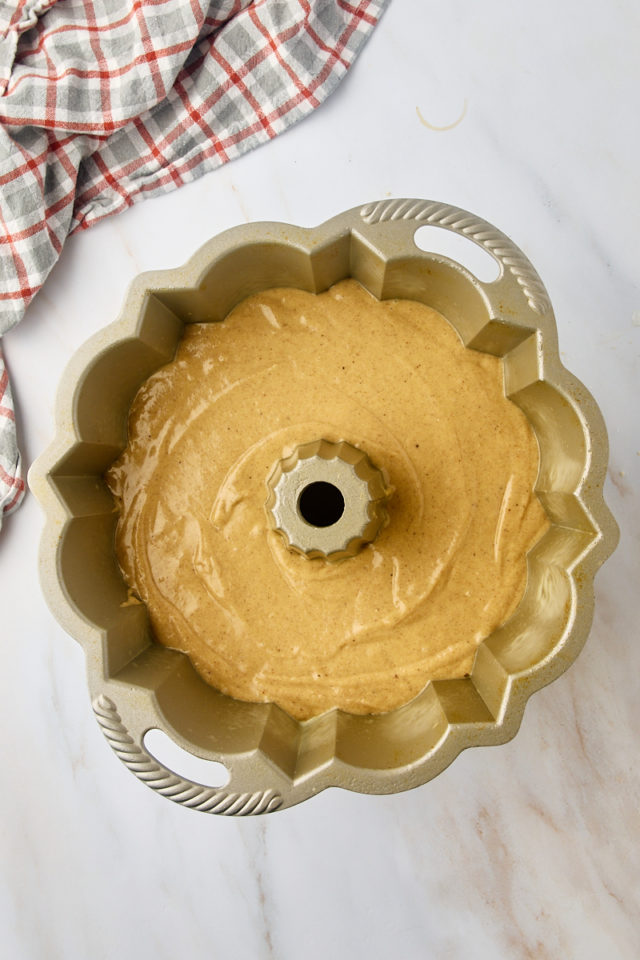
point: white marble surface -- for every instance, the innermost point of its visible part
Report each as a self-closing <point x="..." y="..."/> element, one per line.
<point x="529" y="850"/>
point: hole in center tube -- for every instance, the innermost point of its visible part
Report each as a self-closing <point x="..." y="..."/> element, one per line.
<point x="475" y="258"/>
<point x="208" y="773"/>
<point x="321" y="504"/>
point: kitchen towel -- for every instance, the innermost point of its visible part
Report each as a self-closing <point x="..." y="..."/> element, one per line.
<point x="106" y="102"/>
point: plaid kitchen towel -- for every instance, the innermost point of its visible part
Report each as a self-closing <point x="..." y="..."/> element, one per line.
<point x="105" y="102"/>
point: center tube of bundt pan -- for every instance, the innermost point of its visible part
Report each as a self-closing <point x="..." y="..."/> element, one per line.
<point x="327" y="499"/>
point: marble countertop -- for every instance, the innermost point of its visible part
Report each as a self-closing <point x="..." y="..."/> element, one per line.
<point x="526" y="115"/>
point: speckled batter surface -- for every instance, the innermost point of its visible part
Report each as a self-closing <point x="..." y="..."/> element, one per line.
<point x="264" y="624"/>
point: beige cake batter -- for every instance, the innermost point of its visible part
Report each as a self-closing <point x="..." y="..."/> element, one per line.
<point x="264" y="624"/>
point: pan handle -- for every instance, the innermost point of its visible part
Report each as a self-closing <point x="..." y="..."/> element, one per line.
<point x="146" y="768"/>
<point x="391" y="225"/>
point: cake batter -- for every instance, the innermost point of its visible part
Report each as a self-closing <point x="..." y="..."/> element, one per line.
<point x="262" y="623"/>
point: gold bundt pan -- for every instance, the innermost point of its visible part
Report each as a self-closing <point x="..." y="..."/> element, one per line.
<point x="274" y="761"/>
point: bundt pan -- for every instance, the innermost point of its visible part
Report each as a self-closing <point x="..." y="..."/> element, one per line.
<point x="274" y="761"/>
